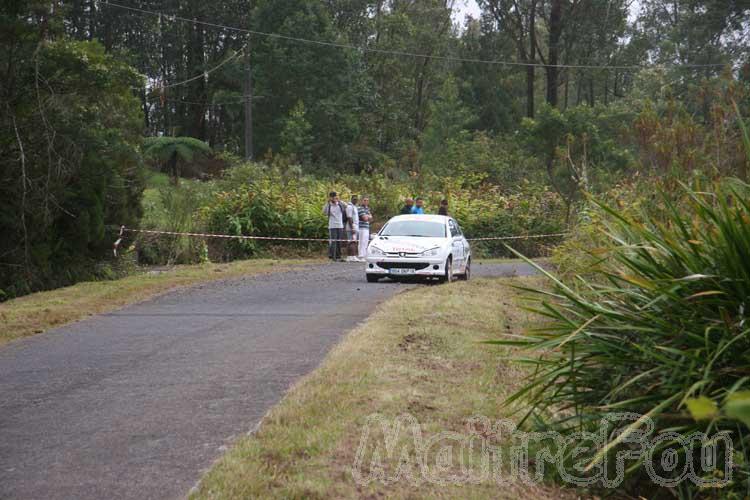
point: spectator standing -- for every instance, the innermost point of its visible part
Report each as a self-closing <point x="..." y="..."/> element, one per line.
<point x="443" y="210"/>
<point x="364" y="226"/>
<point x="352" y="228"/>
<point x="407" y="209"/>
<point x="419" y="207"/>
<point x="336" y="213"/>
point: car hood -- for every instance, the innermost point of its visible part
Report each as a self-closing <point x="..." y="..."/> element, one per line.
<point x="408" y="244"/>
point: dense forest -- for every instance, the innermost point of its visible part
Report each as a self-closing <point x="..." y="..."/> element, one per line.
<point x="526" y="107"/>
<point x="354" y="84"/>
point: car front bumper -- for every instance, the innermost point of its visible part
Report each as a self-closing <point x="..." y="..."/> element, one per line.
<point x="423" y="266"/>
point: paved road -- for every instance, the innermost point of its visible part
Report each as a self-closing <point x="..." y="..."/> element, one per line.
<point x="138" y="402"/>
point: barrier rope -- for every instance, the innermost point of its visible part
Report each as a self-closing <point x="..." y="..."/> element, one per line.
<point x="124" y="229"/>
<point x="523" y="237"/>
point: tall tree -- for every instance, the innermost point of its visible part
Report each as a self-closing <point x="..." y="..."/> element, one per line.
<point x="519" y="18"/>
<point x="493" y="92"/>
<point x="555" y="27"/>
<point x="448" y="119"/>
<point x="69" y="133"/>
<point x="323" y="77"/>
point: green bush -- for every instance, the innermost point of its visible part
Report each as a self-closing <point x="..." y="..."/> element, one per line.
<point x="659" y="323"/>
<point x="259" y="200"/>
<point x="69" y="159"/>
<point x="170" y="208"/>
<point x="485" y="211"/>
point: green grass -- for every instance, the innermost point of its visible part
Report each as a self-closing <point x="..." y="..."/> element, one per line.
<point x="155" y="180"/>
<point x="420" y="353"/>
<point x="35" y="313"/>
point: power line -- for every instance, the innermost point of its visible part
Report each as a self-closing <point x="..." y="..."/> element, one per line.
<point x="239" y="100"/>
<point x="206" y="72"/>
<point x="395" y="52"/>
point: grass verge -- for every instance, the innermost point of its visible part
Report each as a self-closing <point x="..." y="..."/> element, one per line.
<point x="35" y="313"/>
<point x="418" y="354"/>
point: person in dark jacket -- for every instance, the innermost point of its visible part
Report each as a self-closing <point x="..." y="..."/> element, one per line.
<point x="443" y="210"/>
<point x="407" y="208"/>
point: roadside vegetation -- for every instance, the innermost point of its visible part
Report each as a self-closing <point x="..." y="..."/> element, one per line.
<point x="648" y="314"/>
<point x="278" y="200"/>
<point x="420" y="354"/>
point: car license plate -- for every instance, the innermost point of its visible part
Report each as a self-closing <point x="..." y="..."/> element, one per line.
<point x="402" y="270"/>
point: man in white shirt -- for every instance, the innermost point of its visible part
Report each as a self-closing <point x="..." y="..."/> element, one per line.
<point x="352" y="229"/>
<point x="364" y="227"/>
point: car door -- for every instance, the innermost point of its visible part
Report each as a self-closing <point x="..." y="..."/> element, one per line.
<point x="457" y="244"/>
<point x="466" y="253"/>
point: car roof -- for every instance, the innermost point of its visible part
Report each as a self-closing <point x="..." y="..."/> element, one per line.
<point x="422" y="217"/>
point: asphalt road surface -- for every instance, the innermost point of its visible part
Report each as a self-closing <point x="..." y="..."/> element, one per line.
<point x="139" y="402"/>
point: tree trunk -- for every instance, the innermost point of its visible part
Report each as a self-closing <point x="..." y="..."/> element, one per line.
<point x="615" y="84"/>
<point x="606" y="87"/>
<point x="92" y="21"/>
<point x="555" y="30"/>
<point x="165" y="105"/>
<point x="420" y="90"/>
<point x="196" y="91"/>
<point x="530" y="73"/>
<point x="248" y="90"/>
<point x="144" y="104"/>
<point x="172" y="166"/>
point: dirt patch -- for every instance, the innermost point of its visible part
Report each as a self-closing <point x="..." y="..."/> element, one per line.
<point x="419" y="407"/>
<point x="414" y="341"/>
<point x="421" y="342"/>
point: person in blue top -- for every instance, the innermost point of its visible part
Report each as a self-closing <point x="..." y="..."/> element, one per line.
<point x="418" y="207"/>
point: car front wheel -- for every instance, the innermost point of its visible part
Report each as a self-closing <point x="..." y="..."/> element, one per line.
<point x="448" y="271"/>
<point x="467" y="273"/>
<point x="372" y="278"/>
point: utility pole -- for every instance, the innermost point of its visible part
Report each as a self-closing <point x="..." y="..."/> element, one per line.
<point x="248" y="91"/>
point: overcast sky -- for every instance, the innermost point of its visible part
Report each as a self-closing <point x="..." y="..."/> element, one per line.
<point x="465" y="8"/>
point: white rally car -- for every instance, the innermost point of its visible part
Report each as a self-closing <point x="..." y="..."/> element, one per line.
<point x="429" y="246"/>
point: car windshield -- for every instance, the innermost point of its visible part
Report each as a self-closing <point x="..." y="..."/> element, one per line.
<point x="418" y="228"/>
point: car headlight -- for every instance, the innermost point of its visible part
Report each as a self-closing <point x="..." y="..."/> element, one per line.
<point x="432" y="252"/>
<point x="375" y="250"/>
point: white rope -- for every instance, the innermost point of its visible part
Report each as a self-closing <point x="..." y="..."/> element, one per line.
<point x="524" y="237"/>
<point x="229" y="236"/>
<point x="123" y="230"/>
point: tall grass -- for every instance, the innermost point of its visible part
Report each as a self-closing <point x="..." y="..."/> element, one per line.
<point x="660" y="324"/>
<point x="171" y="208"/>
